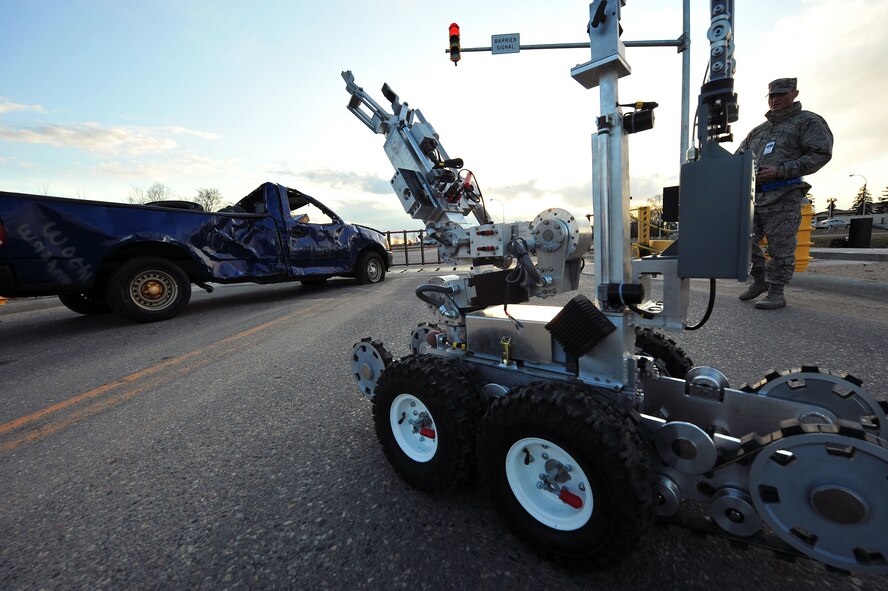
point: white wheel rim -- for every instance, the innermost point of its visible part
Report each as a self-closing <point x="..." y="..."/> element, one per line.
<point x="404" y="413"/>
<point x="544" y="505"/>
<point x="373" y="270"/>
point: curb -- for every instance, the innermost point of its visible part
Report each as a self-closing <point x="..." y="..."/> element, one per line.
<point x="850" y="254"/>
<point x="845" y="285"/>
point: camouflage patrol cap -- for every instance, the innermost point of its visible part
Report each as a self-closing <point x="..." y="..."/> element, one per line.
<point x="782" y="86"/>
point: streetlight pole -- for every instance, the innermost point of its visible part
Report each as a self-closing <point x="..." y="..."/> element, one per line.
<point x="830" y="205"/>
<point x="862" y="193"/>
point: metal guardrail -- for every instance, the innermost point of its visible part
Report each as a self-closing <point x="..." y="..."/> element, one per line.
<point x="408" y="248"/>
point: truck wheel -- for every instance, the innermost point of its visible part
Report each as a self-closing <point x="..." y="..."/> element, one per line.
<point x="426" y="416"/>
<point x="370" y="268"/>
<point x="670" y="359"/>
<point x="148" y="289"/>
<point x="566" y="469"/>
<point x="89" y="302"/>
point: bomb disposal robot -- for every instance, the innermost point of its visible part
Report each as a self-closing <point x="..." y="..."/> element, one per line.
<point x="586" y="422"/>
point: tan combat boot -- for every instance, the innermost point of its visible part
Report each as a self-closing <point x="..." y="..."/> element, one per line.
<point x="774" y="300"/>
<point x="755" y="289"/>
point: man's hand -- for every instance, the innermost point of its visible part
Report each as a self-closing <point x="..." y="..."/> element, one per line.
<point x="766" y="173"/>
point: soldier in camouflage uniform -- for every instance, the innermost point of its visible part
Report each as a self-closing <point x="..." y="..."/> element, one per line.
<point x="790" y="144"/>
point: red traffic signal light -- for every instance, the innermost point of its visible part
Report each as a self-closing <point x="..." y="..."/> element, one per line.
<point x="454" y="43"/>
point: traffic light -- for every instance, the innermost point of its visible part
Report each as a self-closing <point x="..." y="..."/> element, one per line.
<point x="454" y="43"/>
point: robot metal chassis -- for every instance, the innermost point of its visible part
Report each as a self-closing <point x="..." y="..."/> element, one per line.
<point x="585" y="421"/>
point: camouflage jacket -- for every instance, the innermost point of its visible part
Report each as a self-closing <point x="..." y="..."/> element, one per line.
<point x="797" y="142"/>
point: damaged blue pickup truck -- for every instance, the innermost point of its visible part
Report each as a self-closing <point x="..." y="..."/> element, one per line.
<point x="140" y="260"/>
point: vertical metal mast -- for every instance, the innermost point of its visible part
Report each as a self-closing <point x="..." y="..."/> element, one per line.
<point x="685" y="79"/>
<point x="610" y="173"/>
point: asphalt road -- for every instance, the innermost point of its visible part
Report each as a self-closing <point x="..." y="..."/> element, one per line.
<point x="230" y="448"/>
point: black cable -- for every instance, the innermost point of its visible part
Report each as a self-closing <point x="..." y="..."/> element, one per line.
<point x="519" y="248"/>
<point x="425" y="287"/>
<point x="640" y="312"/>
<point x="477" y="186"/>
<point x="709" y="307"/>
<point x="515" y="277"/>
<point x="696" y="111"/>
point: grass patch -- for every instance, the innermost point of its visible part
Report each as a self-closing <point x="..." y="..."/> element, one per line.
<point x="879" y="240"/>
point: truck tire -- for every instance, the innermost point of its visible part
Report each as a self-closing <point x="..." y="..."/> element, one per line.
<point x="426" y="416"/>
<point x="88" y="303"/>
<point x="670" y="359"/>
<point x="148" y="289"/>
<point x="370" y="268"/>
<point x="566" y="469"/>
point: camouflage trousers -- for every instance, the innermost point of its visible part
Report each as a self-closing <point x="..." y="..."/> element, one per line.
<point x="779" y="223"/>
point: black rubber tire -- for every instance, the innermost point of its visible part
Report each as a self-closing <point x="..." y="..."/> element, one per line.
<point x="370" y="268"/>
<point x="440" y="385"/>
<point x="603" y="441"/>
<point x="670" y="359"/>
<point x="127" y="289"/>
<point x="88" y="303"/>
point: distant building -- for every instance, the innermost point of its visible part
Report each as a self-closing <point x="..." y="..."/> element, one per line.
<point x="880" y="217"/>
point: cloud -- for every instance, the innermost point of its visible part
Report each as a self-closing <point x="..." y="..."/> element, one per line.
<point x="523" y="201"/>
<point x="94" y="137"/>
<point x="337" y="179"/>
<point x="8" y="107"/>
<point x="184" y="165"/>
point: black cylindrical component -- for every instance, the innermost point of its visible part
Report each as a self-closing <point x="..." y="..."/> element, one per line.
<point x="624" y="294"/>
<point x="641" y="120"/>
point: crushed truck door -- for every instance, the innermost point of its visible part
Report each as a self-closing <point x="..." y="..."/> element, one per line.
<point x="317" y="238"/>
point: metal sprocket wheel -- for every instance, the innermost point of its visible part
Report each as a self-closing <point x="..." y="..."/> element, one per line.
<point x="419" y="338"/>
<point x="369" y="360"/>
<point x="824" y="493"/>
<point x="838" y="392"/>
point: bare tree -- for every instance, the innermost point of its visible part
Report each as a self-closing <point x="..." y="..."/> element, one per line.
<point x="656" y="205"/>
<point x="209" y="198"/>
<point x="156" y="192"/>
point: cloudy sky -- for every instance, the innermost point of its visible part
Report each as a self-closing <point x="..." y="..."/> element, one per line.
<point x="100" y="96"/>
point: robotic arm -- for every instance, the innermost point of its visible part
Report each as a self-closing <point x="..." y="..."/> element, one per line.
<point x="431" y="185"/>
<point x="435" y="189"/>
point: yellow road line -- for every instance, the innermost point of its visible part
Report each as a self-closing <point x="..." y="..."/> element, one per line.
<point x="43" y="412"/>
<point x="85" y="405"/>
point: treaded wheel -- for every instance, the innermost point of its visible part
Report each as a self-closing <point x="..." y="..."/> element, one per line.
<point x="148" y="289"/>
<point x="669" y="358"/>
<point x="88" y="303"/>
<point x="370" y="268"/>
<point x="426" y="416"/>
<point x="566" y="469"/>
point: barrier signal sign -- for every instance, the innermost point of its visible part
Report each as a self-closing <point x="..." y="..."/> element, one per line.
<point x="510" y="43"/>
